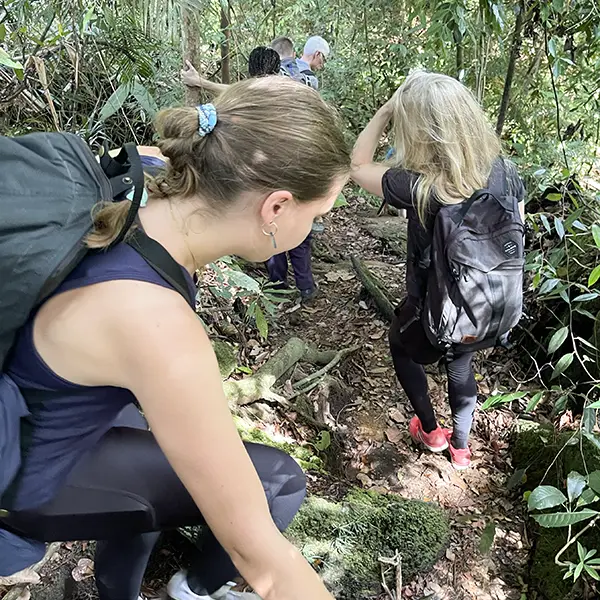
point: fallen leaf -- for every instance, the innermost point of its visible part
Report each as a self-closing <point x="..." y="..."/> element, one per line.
<point x="362" y="304"/>
<point x="379" y="370"/>
<point x="450" y="555"/>
<point x="397" y="415"/>
<point x="333" y="276"/>
<point x="378" y="335"/>
<point x="364" y="479"/>
<point x="83" y="570"/>
<point x="393" y="434"/>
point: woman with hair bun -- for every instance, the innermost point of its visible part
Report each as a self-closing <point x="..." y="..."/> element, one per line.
<point x="116" y="333"/>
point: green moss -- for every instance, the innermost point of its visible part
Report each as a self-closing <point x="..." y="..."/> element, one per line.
<point x="539" y="449"/>
<point x="344" y="540"/>
<point x="304" y="455"/>
<point x="226" y="357"/>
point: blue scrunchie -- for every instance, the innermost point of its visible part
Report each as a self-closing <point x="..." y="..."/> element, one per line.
<point x="207" y="118"/>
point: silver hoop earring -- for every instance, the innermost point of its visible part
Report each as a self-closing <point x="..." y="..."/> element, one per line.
<point x="272" y="233"/>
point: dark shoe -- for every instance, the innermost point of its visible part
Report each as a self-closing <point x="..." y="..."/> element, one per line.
<point x="308" y="296"/>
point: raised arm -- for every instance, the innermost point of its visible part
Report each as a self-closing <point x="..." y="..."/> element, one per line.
<point x="168" y="363"/>
<point x="191" y="78"/>
<point x="365" y="172"/>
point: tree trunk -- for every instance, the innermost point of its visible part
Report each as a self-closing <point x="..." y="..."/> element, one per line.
<point x="510" y="71"/>
<point x="191" y="52"/>
<point x="370" y="284"/>
<point x="226" y="30"/>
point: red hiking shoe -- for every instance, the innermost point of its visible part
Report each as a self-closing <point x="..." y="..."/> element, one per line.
<point x="461" y="457"/>
<point x="435" y="441"/>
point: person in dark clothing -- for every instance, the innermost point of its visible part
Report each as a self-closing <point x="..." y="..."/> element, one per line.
<point x="445" y="149"/>
<point x="90" y="466"/>
<point x="262" y="62"/>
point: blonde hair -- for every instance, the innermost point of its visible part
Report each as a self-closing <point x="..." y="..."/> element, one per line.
<point x="442" y="134"/>
<point x="272" y="134"/>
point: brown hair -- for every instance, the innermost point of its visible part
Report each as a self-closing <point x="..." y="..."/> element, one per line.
<point x="272" y="134"/>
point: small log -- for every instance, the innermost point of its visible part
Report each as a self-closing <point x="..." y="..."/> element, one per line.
<point x="369" y="283"/>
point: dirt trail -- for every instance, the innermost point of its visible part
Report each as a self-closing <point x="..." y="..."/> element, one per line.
<point x="488" y="554"/>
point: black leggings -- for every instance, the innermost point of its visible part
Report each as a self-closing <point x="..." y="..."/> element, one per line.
<point x="124" y="492"/>
<point x="462" y="388"/>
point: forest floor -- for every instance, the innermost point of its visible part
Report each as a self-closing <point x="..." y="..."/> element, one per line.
<point x="488" y="556"/>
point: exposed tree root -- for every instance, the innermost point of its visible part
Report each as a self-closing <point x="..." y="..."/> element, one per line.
<point x="370" y="284"/>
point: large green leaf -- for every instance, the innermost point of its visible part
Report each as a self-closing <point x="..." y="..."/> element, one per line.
<point x="563" y="364"/>
<point x="545" y="496"/>
<point x="7" y="61"/>
<point x="565" y="519"/>
<point x="241" y="280"/>
<point x="594" y="481"/>
<point x="115" y="102"/>
<point x="587" y="497"/>
<point x="261" y="323"/>
<point x="535" y="400"/>
<point x="557" y="339"/>
<point x="144" y="99"/>
<point x="575" y="485"/>
<point x="502" y="399"/>
<point x="594" y="276"/>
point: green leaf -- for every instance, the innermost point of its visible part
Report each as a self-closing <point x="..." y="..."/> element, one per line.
<point x="501" y="399"/>
<point x="575" y="485"/>
<point x="340" y="201"/>
<point x="565" y="519"/>
<point x="586" y="297"/>
<point x="2" y="32"/>
<point x="7" y="61"/>
<point x="594" y="481"/>
<point x="535" y="400"/>
<point x="549" y="285"/>
<point x="563" y="364"/>
<point x="552" y="46"/>
<point x="591" y="553"/>
<point x="594" y="276"/>
<point x="323" y="441"/>
<point x="545" y="496"/>
<point x="587" y="497"/>
<point x="578" y="571"/>
<point x="560" y="228"/>
<point x="516" y="479"/>
<point x="115" y="102"/>
<point x="594" y="404"/>
<point x="581" y="552"/>
<point x="558" y="339"/>
<point x="592" y="572"/>
<point x="554" y="197"/>
<point x="487" y="538"/>
<point x="241" y="280"/>
<point x="596" y="234"/>
<point x="261" y="323"/>
<point x="144" y="99"/>
<point x="546" y="223"/>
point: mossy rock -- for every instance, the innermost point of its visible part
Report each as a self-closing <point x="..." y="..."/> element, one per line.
<point x="304" y="455"/>
<point x="536" y="449"/>
<point x="536" y="446"/>
<point x="226" y="357"/>
<point x="345" y="540"/>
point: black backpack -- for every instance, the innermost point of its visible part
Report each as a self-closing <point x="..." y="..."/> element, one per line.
<point x="49" y="185"/>
<point x="475" y="267"/>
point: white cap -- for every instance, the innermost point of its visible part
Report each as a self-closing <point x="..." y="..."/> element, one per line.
<point x="316" y="44"/>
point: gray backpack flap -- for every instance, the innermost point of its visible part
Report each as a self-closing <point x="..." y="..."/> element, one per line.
<point x="49" y="184"/>
<point x="475" y="276"/>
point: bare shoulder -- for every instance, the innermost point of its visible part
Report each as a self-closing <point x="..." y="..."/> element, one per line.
<point x="86" y="334"/>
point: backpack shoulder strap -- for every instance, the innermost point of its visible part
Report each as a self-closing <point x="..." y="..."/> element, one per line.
<point x="162" y="262"/>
